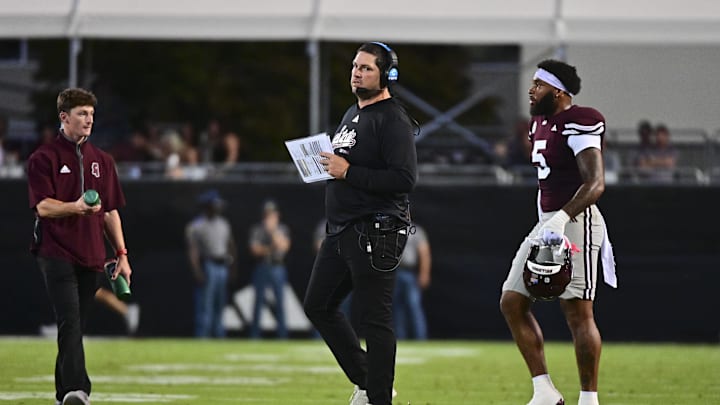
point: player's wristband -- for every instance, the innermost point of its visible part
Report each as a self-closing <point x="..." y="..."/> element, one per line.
<point x="557" y="221"/>
<point x="121" y="252"/>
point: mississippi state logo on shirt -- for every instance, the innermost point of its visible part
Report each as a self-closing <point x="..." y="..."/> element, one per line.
<point x="344" y="138"/>
<point x="95" y="169"/>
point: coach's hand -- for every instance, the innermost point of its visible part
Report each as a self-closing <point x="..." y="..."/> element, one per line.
<point x="335" y="165"/>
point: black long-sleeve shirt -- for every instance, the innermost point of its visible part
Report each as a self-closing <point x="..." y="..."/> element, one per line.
<point x="378" y="142"/>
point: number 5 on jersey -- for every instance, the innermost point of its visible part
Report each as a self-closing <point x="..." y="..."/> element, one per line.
<point x="539" y="160"/>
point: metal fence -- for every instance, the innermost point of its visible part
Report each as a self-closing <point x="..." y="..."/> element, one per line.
<point x="698" y="163"/>
<point x="428" y="174"/>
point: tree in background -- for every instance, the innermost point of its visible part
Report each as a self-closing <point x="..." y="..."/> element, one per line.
<point x="257" y="89"/>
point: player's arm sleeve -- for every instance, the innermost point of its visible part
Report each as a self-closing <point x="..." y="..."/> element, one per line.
<point x="398" y="152"/>
<point x="40" y="183"/>
<point x="585" y="131"/>
<point x="579" y="143"/>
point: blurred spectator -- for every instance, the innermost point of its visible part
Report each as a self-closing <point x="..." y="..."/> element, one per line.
<point x="231" y="146"/>
<point x="47" y="133"/>
<point x="9" y="155"/>
<point x="172" y="148"/>
<point x="611" y="161"/>
<point x="153" y="134"/>
<point x="646" y="142"/>
<point x="211" y="251"/>
<point x="517" y="150"/>
<point x="208" y="140"/>
<point x="413" y="276"/>
<point x="661" y="160"/>
<point x="134" y="148"/>
<point x="269" y="243"/>
<point x="190" y="154"/>
<point x="655" y="157"/>
<point x="217" y="145"/>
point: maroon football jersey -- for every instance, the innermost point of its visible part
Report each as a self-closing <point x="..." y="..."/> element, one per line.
<point x="63" y="170"/>
<point x="558" y="173"/>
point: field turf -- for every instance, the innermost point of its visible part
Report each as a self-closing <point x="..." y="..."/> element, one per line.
<point x="297" y="372"/>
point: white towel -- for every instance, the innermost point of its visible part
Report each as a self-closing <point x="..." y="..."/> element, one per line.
<point x="608" y="261"/>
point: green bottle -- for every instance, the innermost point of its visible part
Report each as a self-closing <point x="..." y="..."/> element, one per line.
<point x="119" y="285"/>
<point x="91" y="197"/>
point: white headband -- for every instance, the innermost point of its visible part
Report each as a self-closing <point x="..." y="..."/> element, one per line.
<point x="551" y="79"/>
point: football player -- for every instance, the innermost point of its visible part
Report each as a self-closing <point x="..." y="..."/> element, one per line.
<point x="566" y="140"/>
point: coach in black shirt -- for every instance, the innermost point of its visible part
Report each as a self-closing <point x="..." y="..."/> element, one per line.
<point x="374" y="166"/>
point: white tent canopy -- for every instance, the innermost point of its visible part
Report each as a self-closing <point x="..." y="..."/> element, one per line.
<point x="416" y="21"/>
<point x="649" y="41"/>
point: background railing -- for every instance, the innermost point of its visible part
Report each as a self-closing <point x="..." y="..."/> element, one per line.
<point x="698" y="163"/>
<point x="428" y="174"/>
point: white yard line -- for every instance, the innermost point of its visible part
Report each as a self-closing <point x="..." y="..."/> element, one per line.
<point x="104" y="397"/>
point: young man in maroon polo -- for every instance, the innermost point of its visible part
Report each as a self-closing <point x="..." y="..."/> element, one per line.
<point x="68" y="239"/>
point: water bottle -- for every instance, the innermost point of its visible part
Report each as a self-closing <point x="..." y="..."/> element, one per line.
<point x="91" y="197"/>
<point x="119" y="285"/>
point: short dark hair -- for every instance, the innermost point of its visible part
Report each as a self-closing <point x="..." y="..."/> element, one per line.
<point x="566" y="73"/>
<point x="383" y="55"/>
<point x="74" y="97"/>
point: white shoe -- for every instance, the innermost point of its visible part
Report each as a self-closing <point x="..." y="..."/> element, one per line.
<point x="358" y="397"/>
<point x="546" y="398"/>
<point x="132" y="318"/>
<point x="76" y="398"/>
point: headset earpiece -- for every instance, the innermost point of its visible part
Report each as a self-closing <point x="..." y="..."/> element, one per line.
<point x="391" y="71"/>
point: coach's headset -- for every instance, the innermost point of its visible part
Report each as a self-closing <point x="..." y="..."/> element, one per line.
<point x="390" y="72"/>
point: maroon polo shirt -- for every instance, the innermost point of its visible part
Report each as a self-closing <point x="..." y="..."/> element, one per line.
<point x="63" y="170"/>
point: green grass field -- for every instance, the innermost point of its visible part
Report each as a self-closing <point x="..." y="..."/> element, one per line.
<point x="193" y="372"/>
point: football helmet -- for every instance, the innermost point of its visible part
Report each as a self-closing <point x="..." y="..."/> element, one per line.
<point x="547" y="271"/>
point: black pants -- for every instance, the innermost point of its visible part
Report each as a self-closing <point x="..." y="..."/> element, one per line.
<point x="341" y="266"/>
<point x="71" y="290"/>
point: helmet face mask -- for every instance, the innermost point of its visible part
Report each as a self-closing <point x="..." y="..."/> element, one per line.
<point x="546" y="273"/>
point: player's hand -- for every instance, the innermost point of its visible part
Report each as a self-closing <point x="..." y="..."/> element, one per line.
<point x="335" y="165"/>
<point x="551" y="237"/>
<point x="546" y="238"/>
<point x="552" y="231"/>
